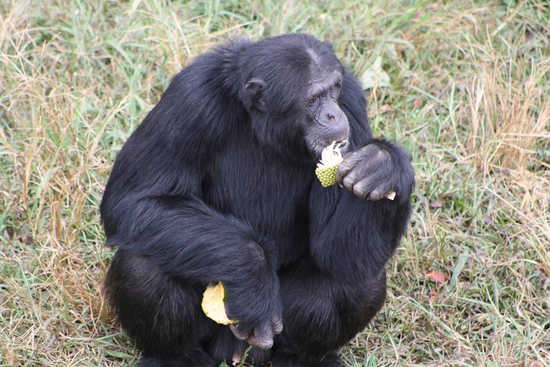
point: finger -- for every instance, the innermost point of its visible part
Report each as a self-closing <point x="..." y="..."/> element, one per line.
<point x="239" y="331"/>
<point x="277" y="325"/>
<point x="375" y="195"/>
<point x="260" y="343"/>
<point x="349" y="182"/>
<point x="359" y="191"/>
<point x="364" y="187"/>
<point x="381" y="156"/>
<point x="371" y="157"/>
<point x="379" y="192"/>
<point x="262" y="337"/>
<point x="349" y="162"/>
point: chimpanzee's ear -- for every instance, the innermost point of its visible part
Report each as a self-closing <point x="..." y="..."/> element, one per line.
<point x="254" y="94"/>
<point x="328" y="45"/>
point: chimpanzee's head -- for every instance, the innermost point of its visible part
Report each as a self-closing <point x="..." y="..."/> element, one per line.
<point x="291" y="88"/>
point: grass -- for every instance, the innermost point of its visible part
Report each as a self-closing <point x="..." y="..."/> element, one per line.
<point x="469" y="97"/>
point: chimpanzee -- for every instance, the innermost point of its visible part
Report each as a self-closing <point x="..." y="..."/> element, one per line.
<point x="217" y="184"/>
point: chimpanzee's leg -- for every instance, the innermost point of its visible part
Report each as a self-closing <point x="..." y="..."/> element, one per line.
<point x="161" y="314"/>
<point x="322" y="314"/>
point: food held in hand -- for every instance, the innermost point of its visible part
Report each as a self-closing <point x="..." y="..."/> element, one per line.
<point x="331" y="157"/>
<point x="213" y="304"/>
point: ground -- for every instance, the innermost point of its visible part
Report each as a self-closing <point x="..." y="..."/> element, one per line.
<point x="463" y="85"/>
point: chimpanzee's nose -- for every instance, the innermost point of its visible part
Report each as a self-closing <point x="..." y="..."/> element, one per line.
<point x="330" y="116"/>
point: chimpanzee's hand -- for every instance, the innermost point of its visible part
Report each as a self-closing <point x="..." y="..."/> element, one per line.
<point x="376" y="170"/>
<point x="258" y="311"/>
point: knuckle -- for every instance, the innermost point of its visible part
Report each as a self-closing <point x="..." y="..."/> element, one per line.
<point x="351" y="160"/>
<point x="262" y="343"/>
<point x="239" y="334"/>
<point x="375" y="195"/>
<point x="340" y="173"/>
<point x="348" y="181"/>
<point x="382" y="155"/>
<point x="368" y="148"/>
<point x="277" y="324"/>
<point x="360" y="190"/>
<point x="344" y="167"/>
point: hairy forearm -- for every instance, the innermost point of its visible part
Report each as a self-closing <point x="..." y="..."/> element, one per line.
<point x="189" y="239"/>
<point x="356" y="237"/>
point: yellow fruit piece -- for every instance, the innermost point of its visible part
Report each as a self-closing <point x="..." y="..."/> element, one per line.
<point x="327" y="175"/>
<point x="213" y="304"/>
<point x="331" y="157"/>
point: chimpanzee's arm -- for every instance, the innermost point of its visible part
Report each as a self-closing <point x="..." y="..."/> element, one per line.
<point x="353" y="237"/>
<point x="191" y="241"/>
<point x="153" y="207"/>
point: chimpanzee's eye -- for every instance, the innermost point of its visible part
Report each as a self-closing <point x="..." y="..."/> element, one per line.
<point x="314" y="98"/>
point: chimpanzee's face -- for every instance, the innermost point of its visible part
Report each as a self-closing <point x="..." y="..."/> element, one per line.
<point x="293" y="96"/>
<point x="326" y="120"/>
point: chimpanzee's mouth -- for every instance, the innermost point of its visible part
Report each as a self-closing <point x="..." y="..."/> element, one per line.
<point x="341" y="144"/>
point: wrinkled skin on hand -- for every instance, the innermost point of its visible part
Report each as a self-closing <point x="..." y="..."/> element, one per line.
<point x="260" y="333"/>
<point x="375" y="170"/>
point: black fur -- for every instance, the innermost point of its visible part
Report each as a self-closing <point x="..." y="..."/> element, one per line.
<point x="218" y="184"/>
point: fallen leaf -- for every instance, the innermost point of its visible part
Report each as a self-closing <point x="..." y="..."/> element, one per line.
<point x="433" y="294"/>
<point x="375" y="76"/>
<point x="437" y="277"/>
